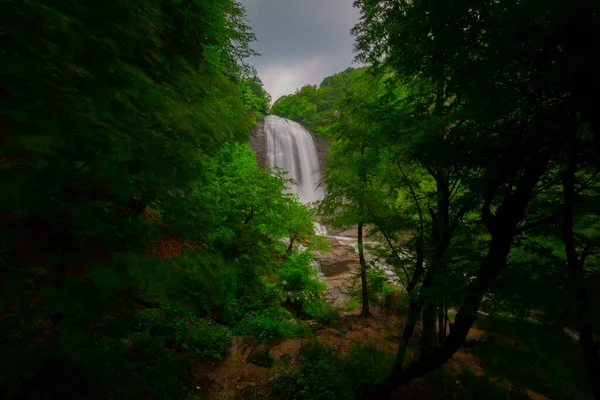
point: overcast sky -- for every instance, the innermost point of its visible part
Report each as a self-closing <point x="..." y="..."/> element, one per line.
<point x="301" y="41"/>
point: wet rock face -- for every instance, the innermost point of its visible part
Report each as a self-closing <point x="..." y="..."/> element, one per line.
<point x="322" y="145"/>
<point x="339" y="265"/>
<point x="258" y="143"/>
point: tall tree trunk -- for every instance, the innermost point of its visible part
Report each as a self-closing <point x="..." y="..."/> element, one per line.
<point x="441" y="233"/>
<point x="591" y="354"/>
<point x="576" y="264"/>
<point x="429" y="338"/>
<point x="441" y="322"/>
<point x="363" y="273"/>
<point x="445" y="319"/>
<point x="409" y="330"/>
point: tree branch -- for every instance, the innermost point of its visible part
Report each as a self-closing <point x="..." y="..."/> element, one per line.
<point x="461" y="213"/>
<point x="554" y="216"/>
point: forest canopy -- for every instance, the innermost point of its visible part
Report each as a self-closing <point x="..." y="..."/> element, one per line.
<point x="311" y="105"/>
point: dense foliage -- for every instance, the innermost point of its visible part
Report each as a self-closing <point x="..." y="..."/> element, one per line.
<point x="255" y="98"/>
<point x="472" y="136"/>
<point x="134" y="217"/>
<point x="312" y="105"/>
<point x="322" y="373"/>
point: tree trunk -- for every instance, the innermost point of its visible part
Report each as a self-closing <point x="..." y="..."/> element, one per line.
<point x="441" y="233"/>
<point x="591" y="354"/>
<point x="363" y="273"/>
<point x="502" y="227"/>
<point x="486" y="275"/>
<point x="429" y="338"/>
<point x="576" y="264"/>
<point x="445" y="319"/>
<point x="291" y="246"/>
<point x="409" y="330"/>
<point x="441" y="322"/>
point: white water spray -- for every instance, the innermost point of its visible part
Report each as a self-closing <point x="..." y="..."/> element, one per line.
<point x="291" y="148"/>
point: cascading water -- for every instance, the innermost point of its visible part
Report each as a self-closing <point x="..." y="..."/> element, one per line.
<point x="291" y="148"/>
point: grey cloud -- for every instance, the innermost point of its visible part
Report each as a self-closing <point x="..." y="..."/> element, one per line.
<point x="301" y="41"/>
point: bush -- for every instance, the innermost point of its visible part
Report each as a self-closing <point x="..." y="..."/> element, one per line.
<point x="322" y="312"/>
<point x="321" y="373"/>
<point x="298" y="280"/>
<point x="316" y="377"/>
<point x="366" y="365"/>
<point x="254" y="299"/>
<point x="175" y="328"/>
<point x="270" y="325"/>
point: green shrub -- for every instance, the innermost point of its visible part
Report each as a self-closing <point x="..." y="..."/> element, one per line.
<point x="320" y="373"/>
<point x="376" y="283"/>
<point x="316" y="377"/>
<point x="175" y="328"/>
<point x="365" y="366"/>
<point x="256" y="298"/>
<point x="270" y="325"/>
<point x="322" y="312"/>
<point x="297" y="276"/>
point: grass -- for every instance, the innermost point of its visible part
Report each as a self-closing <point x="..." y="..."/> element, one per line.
<point x="541" y="358"/>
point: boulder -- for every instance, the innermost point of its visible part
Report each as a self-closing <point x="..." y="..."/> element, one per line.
<point x="238" y="345"/>
<point x="260" y="356"/>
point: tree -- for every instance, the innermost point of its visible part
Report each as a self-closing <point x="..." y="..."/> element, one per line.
<point x="576" y="259"/>
<point x="108" y="109"/>
<point x="255" y="98"/>
<point x="312" y="105"/>
<point x="351" y="172"/>
<point x="513" y="109"/>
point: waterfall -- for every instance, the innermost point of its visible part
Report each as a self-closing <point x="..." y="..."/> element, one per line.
<point x="291" y="148"/>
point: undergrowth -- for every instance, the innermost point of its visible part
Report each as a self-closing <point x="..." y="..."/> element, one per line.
<point x="538" y="357"/>
<point x="471" y="387"/>
<point x="320" y="372"/>
<point x="322" y="312"/>
<point x="173" y="327"/>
